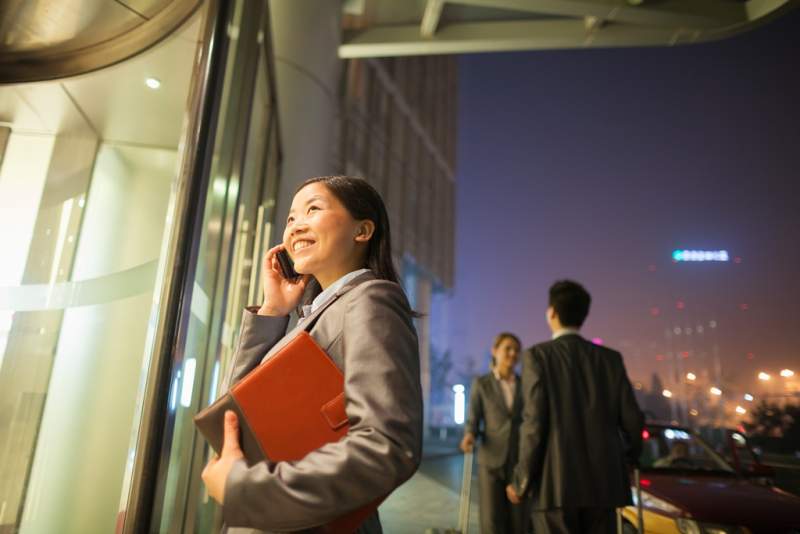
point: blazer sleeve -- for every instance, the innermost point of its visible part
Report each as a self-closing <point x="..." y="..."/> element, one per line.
<point x="258" y="335"/>
<point x="534" y="422"/>
<point x="383" y="446"/>
<point x="475" y="412"/>
<point x="631" y="418"/>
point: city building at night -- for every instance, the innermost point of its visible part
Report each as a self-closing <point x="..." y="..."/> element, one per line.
<point x="149" y="153"/>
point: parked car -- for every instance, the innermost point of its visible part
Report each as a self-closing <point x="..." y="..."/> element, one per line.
<point x="733" y="445"/>
<point x="688" y="488"/>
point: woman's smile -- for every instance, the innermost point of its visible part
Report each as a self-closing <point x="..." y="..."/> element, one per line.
<point x="301" y="244"/>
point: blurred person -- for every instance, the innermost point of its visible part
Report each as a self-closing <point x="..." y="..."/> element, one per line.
<point x="337" y="234"/>
<point x="678" y="456"/>
<point x="495" y="413"/>
<point x="580" y="420"/>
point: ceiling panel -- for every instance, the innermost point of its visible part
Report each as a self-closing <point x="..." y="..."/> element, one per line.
<point x="122" y="108"/>
<point x="27" y="25"/>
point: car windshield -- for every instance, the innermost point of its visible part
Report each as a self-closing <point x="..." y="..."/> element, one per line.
<point x="678" y="449"/>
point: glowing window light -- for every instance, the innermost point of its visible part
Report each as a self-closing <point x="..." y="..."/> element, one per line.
<point x="763" y="376"/>
<point x="459" y="404"/>
<point x="189" y="367"/>
<point x="700" y="255"/>
<point x="715" y="391"/>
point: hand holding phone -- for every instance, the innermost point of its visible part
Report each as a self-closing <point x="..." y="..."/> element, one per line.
<point x="287" y="266"/>
<point x="283" y="286"/>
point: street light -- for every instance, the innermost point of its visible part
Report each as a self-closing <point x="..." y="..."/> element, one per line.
<point x="691" y="377"/>
<point x="667" y="393"/>
<point x="763" y="376"/>
<point x="459" y="404"/>
<point x="787" y="373"/>
<point x="715" y="391"/>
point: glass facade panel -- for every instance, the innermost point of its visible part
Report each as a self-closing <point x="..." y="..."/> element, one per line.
<point x="235" y="227"/>
<point x="85" y="191"/>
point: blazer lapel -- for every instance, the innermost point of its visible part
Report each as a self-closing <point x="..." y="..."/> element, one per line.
<point x="303" y="323"/>
<point x="497" y="392"/>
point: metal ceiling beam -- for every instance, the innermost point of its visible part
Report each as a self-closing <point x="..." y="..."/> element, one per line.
<point x="430" y="19"/>
<point x="694" y="14"/>
<point x="544" y="34"/>
<point x="390" y="41"/>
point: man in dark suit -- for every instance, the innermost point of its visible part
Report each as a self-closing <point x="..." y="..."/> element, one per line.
<point x="580" y="421"/>
<point x="495" y="413"/>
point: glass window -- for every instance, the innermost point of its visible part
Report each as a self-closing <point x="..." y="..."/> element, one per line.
<point x="85" y="187"/>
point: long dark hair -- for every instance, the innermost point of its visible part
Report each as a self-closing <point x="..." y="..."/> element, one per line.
<point x="363" y="202"/>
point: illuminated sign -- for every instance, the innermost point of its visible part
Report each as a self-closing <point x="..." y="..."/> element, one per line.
<point x="700" y="255"/>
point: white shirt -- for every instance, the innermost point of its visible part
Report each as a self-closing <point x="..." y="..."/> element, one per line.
<point x="564" y="331"/>
<point x="323" y="297"/>
<point x="507" y="386"/>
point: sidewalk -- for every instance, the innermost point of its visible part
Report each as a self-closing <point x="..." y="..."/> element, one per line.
<point x="423" y="503"/>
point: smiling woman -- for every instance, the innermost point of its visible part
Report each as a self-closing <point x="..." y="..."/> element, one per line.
<point x="337" y="233"/>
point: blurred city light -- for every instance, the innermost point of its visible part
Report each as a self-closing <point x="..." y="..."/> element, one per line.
<point x="459" y="404"/>
<point x="740" y="410"/>
<point x="700" y="255"/>
<point x="691" y="376"/>
<point x="787" y="373"/>
<point x="763" y="376"/>
<point x="715" y="391"/>
<point x="693" y="412"/>
<point x="667" y="393"/>
<point x="748" y="397"/>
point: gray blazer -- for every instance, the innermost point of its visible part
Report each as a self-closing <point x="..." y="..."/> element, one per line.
<point x="580" y="420"/>
<point x="500" y="426"/>
<point x="367" y="329"/>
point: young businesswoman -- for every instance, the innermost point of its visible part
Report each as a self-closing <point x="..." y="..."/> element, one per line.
<point x="495" y="414"/>
<point x="337" y="234"/>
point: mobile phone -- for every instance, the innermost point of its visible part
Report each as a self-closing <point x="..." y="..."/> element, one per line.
<point x="287" y="267"/>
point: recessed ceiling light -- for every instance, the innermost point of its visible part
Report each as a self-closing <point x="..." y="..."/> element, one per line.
<point x="153" y="83"/>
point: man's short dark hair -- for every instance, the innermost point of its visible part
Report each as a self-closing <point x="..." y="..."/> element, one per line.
<point x="571" y="302"/>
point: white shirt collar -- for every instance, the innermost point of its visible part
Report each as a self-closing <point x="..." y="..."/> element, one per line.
<point x="323" y="297"/>
<point x="564" y="331"/>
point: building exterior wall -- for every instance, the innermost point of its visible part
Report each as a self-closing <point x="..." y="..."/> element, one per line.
<point x="397" y="130"/>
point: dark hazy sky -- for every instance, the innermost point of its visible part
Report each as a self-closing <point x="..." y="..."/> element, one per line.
<point x="596" y="164"/>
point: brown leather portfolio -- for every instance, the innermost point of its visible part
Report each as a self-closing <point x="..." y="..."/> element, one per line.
<point x="287" y="407"/>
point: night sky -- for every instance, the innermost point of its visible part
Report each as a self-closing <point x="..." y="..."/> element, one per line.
<point x="596" y="164"/>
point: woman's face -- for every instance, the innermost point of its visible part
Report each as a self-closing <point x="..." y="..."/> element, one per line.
<point x="506" y="354"/>
<point x="321" y="236"/>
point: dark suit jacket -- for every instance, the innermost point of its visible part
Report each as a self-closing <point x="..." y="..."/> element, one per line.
<point x="497" y="426"/>
<point x="579" y="413"/>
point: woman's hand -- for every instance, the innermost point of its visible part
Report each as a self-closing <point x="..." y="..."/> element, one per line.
<point x="281" y="296"/>
<point x="468" y="442"/>
<point x="216" y="471"/>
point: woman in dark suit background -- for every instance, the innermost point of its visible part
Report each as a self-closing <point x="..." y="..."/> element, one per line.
<point x="337" y="234"/>
<point x="495" y="413"/>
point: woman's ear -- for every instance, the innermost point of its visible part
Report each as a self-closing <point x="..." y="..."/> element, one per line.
<point x="366" y="229"/>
